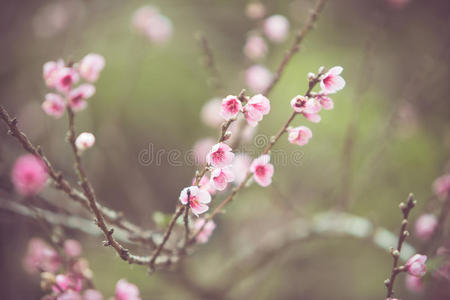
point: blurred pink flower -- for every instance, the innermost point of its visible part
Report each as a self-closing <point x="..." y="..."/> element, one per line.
<point x="205" y="184"/>
<point x="91" y="66"/>
<point x="72" y="248"/>
<point x="240" y="167"/>
<point x="262" y="170"/>
<point x="256" y="107"/>
<point x="331" y="82"/>
<point x="78" y="96"/>
<point x="29" y="175"/>
<point x="126" y="291"/>
<point x="325" y="101"/>
<point x="50" y="72"/>
<point x="276" y="28"/>
<point x="159" y="29"/>
<point x="84" y="141"/>
<point x="230" y="108"/>
<point x="441" y="186"/>
<point x="210" y="113"/>
<point x="92" y="295"/>
<point x="141" y="17"/>
<point x="413" y="283"/>
<point x="255" y="47"/>
<point x="40" y="257"/>
<point x="65" y="78"/>
<point x="220" y="155"/>
<point x="220" y="177"/>
<point x="416" y="265"/>
<point x="201" y="149"/>
<point x="69" y="295"/>
<point x="299" y="135"/>
<point x="315" y="118"/>
<point x="206" y="232"/>
<point x="258" y="78"/>
<point x="425" y="226"/>
<point x="67" y="282"/>
<point x="54" y="105"/>
<point x="198" y="199"/>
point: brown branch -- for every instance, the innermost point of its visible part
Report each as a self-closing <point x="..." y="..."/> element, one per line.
<point x="209" y="62"/>
<point x="406" y="209"/>
<point x="312" y="18"/>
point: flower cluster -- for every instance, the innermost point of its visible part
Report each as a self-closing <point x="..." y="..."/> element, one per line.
<point x="66" y="275"/>
<point x="63" y="77"/>
<point x="148" y="21"/>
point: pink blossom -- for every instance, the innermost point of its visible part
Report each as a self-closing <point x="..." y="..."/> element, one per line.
<point x="262" y="170"/>
<point x="41" y="257"/>
<point x="331" y="82"/>
<point x="315" y="118"/>
<point x="220" y="155"/>
<point x="255" y="10"/>
<point x="220" y="177"/>
<point x="206" y="232"/>
<point x="92" y="295"/>
<point x="65" y="78"/>
<point x="258" y="78"/>
<point x="50" y="72"/>
<point x="299" y="135"/>
<point x="141" y="17"/>
<point x="416" y="265"/>
<point x="78" y="96"/>
<point x="413" y="283"/>
<point x="54" y="105"/>
<point x="198" y="199"/>
<point x="302" y="104"/>
<point x="72" y="248"/>
<point x="69" y="295"/>
<point x="126" y="291"/>
<point x="276" y="28"/>
<point x="205" y="184"/>
<point x="441" y="186"/>
<point x="231" y="106"/>
<point x="256" y="107"/>
<point x="255" y="47"/>
<point x="210" y="113"/>
<point x="29" y="175"/>
<point x="159" y="29"/>
<point x="67" y="282"/>
<point x="240" y="167"/>
<point x="91" y="66"/>
<point x="425" y="226"/>
<point x="81" y="267"/>
<point x="201" y="149"/>
<point x="325" y="101"/>
<point x="84" y="141"/>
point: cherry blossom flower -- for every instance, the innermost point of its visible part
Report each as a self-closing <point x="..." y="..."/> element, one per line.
<point x="142" y="15"/>
<point x="276" y="28"/>
<point x="231" y="106"/>
<point x="91" y="66"/>
<point x="425" y="226"/>
<point x="72" y="248"/>
<point x="255" y="47"/>
<point x="29" y="175"/>
<point x="325" y="101"/>
<point x="159" y="29"/>
<point x="256" y="107"/>
<point x="198" y="199"/>
<point x="65" y="282"/>
<point x="205" y="184"/>
<point x="50" y="72"/>
<point x="299" y="135"/>
<point x="78" y="96"/>
<point x="206" y="232"/>
<point x="126" y="291"/>
<point x="220" y="155"/>
<point x="41" y="257"/>
<point x="69" y="295"/>
<point x="331" y="82"/>
<point x="54" y="105"/>
<point x="258" y="78"/>
<point x="65" y="78"/>
<point x="210" y="113"/>
<point x="91" y="294"/>
<point x="255" y="10"/>
<point x="441" y="186"/>
<point x="240" y="167"/>
<point x="413" y="283"/>
<point x="262" y="170"/>
<point x="315" y="118"/>
<point x="201" y="149"/>
<point x="220" y="177"/>
<point x="415" y="266"/>
<point x="302" y="104"/>
<point x="84" y="141"/>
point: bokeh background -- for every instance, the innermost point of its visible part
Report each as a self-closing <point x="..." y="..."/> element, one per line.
<point x="388" y="135"/>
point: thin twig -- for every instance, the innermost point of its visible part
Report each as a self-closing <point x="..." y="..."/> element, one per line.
<point x="210" y="63"/>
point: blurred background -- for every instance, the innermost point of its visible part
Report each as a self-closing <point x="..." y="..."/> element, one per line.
<point x="388" y="135"/>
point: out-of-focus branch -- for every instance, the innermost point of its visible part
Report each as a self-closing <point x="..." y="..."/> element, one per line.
<point x="312" y="18"/>
<point x="430" y="246"/>
<point x="406" y="209"/>
<point x="210" y="63"/>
